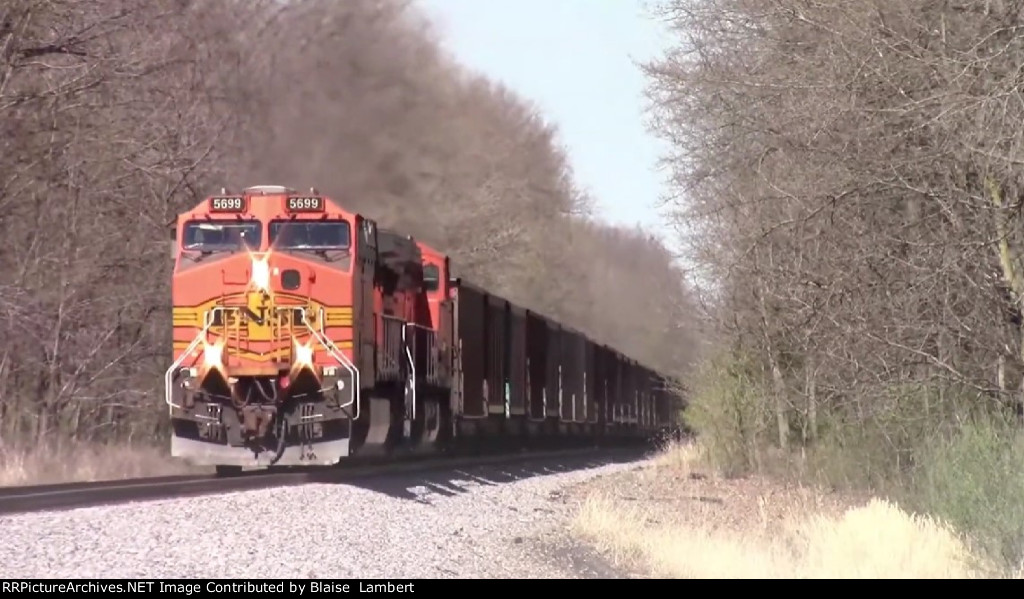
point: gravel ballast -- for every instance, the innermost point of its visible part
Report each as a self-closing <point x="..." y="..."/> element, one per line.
<point x="468" y="523"/>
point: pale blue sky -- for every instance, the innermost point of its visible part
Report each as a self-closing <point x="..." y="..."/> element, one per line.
<point x="576" y="60"/>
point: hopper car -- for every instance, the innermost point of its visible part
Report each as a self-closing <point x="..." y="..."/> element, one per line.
<point x="304" y="334"/>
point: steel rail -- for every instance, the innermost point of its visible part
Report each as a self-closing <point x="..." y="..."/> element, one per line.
<point x="64" y="496"/>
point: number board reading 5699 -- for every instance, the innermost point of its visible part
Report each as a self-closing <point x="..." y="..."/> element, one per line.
<point x="227" y="204"/>
<point x="306" y="204"/>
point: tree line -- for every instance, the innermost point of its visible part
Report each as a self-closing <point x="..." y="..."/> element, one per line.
<point x="850" y="175"/>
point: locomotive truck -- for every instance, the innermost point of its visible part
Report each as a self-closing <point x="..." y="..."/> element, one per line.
<point x="303" y="334"/>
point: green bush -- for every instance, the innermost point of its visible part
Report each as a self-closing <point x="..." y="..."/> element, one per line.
<point x="936" y="450"/>
<point x="873" y="443"/>
<point x="941" y="452"/>
<point x="974" y="479"/>
<point x="727" y="411"/>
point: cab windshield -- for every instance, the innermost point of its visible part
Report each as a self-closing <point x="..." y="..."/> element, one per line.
<point x="309" y="235"/>
<point x="228" y="236"/>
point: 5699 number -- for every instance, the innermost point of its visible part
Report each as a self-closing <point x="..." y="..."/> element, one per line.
<point x="235" y="204"/>
<point x="311" y="204"/>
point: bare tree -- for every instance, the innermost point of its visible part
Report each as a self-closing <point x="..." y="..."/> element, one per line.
<point x="849" y="169"/>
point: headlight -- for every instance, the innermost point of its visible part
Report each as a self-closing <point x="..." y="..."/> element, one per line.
<point x="303" y="355"/>
<point x="212" y="356"/>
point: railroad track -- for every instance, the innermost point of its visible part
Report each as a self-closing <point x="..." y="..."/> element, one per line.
<point x="76" y="495"/>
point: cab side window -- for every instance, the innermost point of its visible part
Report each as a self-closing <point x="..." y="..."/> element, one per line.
<point x="431" y="277"/>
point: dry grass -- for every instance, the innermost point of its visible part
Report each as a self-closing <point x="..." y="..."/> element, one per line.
<point x="677" y="519"/>
<point x="82" y="462"/>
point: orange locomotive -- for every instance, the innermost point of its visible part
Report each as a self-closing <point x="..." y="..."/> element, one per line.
<point x="304" y="334"/>
<point x="273" y="291"/>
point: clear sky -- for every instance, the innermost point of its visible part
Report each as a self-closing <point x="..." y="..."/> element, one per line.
<point x="576" y="59"/>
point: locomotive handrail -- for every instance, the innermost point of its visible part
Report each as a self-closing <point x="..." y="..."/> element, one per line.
<point x="169" y="375"/>
<point x="412" y="367"/>
<point x="411" y="359"/>
<point x="341" y="358"/>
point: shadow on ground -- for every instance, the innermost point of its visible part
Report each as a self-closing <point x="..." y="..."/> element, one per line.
<point x="423" y="486"/>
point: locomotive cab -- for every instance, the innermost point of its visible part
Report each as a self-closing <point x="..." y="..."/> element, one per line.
<point x="437" y="317"/>
<point x="437" y="284"/>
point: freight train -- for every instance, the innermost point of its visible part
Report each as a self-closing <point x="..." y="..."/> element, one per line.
<point x="304" y="334"/>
